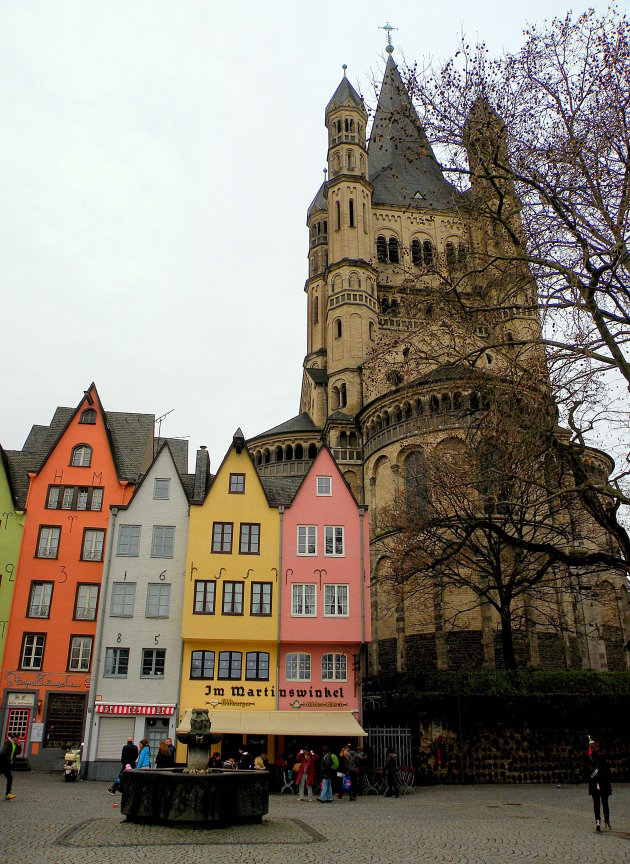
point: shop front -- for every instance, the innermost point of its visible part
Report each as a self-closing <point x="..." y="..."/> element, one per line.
<point x="115" y="722"/>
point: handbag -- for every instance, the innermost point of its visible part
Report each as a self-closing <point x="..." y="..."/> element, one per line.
<point x="296" y="767"/>
<point x="346" y="783"/>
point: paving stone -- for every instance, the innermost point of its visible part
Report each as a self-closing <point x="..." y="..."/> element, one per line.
<point x="52" y="822"/>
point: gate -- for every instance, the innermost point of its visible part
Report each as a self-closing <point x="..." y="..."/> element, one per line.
<point x="381" y="738"/>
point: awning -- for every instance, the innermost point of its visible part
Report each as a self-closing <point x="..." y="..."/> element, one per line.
<point x="117" y="708"/>
<point x="334" y="723"/>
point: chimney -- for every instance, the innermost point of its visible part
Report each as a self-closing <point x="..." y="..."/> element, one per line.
<point x="202" y="473"/>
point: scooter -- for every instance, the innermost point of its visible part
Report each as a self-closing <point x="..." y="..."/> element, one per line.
<point x="72" y="764"/>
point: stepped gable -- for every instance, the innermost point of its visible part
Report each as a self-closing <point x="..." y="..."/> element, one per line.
<point x="402" y="166"/>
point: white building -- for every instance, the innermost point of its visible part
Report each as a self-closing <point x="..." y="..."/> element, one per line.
<point x="137" y="664"/>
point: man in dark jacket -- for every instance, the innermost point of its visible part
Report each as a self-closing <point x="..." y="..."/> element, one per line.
<point x="599" y="787"/>
<point x="354" y="759"/>
<point x="11" y="749"/>
<point x="329" y="764"/>
<point x="129" y="756"/>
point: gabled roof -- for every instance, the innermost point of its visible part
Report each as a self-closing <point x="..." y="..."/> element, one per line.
<point x="300" y="423"/>
<point x="166" y="444"/>
<point x="129" y="434"/>
<point x="401" y="163"/>
<point x="281" y="491"/>
<point x="312" y="467"/>
<point x="17" y="477"/>
<point x="345" y="92"/>
<point x="179" y="452"/>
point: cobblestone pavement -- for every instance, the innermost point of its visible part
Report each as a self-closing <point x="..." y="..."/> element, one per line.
<point x="61" y="823"/>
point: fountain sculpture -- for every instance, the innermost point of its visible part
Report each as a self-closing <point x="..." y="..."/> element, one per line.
<point x="196" y="794"/>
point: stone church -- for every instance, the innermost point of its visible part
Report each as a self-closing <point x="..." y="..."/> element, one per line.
<point x="383" y="386"/>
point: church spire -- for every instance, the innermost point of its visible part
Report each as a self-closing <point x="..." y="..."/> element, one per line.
<point x="402" y="165"/>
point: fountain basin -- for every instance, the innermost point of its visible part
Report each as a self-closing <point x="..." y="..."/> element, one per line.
<point x="211" y="800"/>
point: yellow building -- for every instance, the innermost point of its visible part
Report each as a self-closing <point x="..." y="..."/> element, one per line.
<point x="230" y="620"/>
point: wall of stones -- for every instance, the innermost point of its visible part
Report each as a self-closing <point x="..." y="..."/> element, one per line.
<point x="510" y="740"/>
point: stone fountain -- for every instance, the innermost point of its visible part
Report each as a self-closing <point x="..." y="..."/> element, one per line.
<point x="207" y="797"/>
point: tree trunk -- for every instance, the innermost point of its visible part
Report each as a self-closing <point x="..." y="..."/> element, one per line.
<point x="507" y="642"/>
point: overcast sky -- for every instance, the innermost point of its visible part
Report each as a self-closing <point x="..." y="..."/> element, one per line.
<point x="157" y="160"/>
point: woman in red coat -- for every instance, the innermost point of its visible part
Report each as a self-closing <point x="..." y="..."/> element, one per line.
<point x="306" y="774"/>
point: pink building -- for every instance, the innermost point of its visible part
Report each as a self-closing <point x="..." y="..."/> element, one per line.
<point x="325" y="594"/>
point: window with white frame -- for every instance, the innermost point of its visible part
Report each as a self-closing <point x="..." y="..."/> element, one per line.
<point x="128" y="540"/>
<point x="334" y="667"/>
<point x="205" y="590"/>
<point x="153" y="662"/>
<point x="86" y="603"/>
<point x="40" y="599"/>
<point x="163" y="542"/>
<point x="324" y="485"/>
<point x="97" y="499"/>
<point x="307" y="539"/>
<point x="297" y="667"/>
<point x="81" y="456"/>
<point x="333" y="541"/>
<point x="303" y="600"/>
<point x="68" y="497"/>
<point x="32" y="655"/>
<point x="336" y="600"/>
<point x="116" y="662"/>
<point x="80" y="654"/>
<point x="123" y="599"/>
<point x="161" y="489"/>
<point x="158" y="600"/>
<point x="48" y="541"/>
<point x="93" y="540"/>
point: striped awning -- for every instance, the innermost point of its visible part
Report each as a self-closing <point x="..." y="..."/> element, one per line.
<point x="117" y="708"/>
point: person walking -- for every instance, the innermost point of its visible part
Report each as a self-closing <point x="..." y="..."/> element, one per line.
<point x="164" y="758"/>
<point x="391" y="771"/>
<point x="342" y="771"/>
<point x="330" y="763"/>
<point x="171" y="747"/>
<point x="599" y="787"/>
<point x="128" y="756"/>
<point x="144" y="759"/>
<point x="10" y="750"/>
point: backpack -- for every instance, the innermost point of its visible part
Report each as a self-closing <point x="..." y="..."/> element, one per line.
<point x="334" y="762"/>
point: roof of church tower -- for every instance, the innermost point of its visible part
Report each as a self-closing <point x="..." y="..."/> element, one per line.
<point x="300" y="423"/>
<point x="342" y="94"/>
<point x="402" y="166"/>
<point x="319" y="201"/>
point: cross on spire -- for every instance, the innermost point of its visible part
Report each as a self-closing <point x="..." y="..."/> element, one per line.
<point x="388" y="28"/>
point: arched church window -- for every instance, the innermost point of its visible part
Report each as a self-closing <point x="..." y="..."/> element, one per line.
<point x="371" y="330"/>
<point x="338" y="329"/>
<point x="343" y="439"/>
<point x="427" y="253"/>
<point x="457" y="401"/>
<point x="462" y="254"/>
<point x="343" y="396"/>
<point x="352" y="440"/>
<point x="446" y="402"/>
<point x="338" y="215"/>
<point x="434" y="405"/>
<point x="474" y="401"/>
<point x="381" y="248"/>
<point x="316" y="310"/>
<point x="416" y="487"/>
<point x="299" y="451"/>
<point x="353" y="281"/>
<point x="350" y="160"/>
<point x="266" y="457"/>
<point x="334" y="398"/>
<point x="288" y="453"/>
<point x="351" y="212"/>
<point x="312" y="451"/>
<point x="416" y="252"/>
<point x="451" y="258"/>
<point x="393" y="250"/>
<point x="279" y="454"/>
<point x="362" y="164"/>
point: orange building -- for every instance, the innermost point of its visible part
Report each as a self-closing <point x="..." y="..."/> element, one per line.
<point x="85" y="461"/>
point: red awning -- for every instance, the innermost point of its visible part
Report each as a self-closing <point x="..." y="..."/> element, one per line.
<point x="111" y="708"/>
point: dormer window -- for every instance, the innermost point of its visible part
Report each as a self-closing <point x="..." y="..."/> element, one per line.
<point x="81" y="456"/>
<point x="88" y="417"/>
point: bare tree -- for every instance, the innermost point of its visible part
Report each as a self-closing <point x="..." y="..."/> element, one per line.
<point x="491" y="521"/>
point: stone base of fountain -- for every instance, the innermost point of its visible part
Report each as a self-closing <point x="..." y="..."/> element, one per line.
<point x="211" y="799"/>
